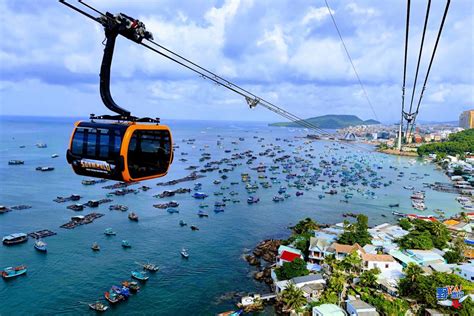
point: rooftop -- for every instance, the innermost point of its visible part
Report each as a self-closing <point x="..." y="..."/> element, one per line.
<point x="329" y="310"/>
<point x="308" y="278"/>
<point x="374" y="257"/>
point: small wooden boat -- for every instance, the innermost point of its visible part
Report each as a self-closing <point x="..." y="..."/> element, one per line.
<point x="113" y="297"/>
<point x="133" y="217"/>
<point x="12" y="272"/>
<point x="182" y="223"/>
<point x="394" y="205"/>
<point x="194" y="227"/>
<point x="134" y="287"/>
<point x="98" y="307"/>
<point x="202" y="214"/>
<point x="95" y="246"/>
<point x="40" y="245"/>
<point x="126" y="244"/>
<point x="141" y="276"/>
<point x="184" y="253"/>
<point x="109" y="232"/>
<point x="149" y="266"/>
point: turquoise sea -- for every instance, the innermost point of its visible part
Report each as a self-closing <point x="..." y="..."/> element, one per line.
<point x="70" y="274"/>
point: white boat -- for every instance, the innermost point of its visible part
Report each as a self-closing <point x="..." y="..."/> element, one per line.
<point x="184" y="253"/>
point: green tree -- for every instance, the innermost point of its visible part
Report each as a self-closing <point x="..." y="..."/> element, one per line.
<point x="293" y="297"/>
<point x="306" y="225"/>
<point x="357" y="232"/>
<point x="352" y="262"/>
<point x="416" y="240"/>
<point x="405" y="224"/>
<point x="368" y="278"/>
<point x="290" y="270"/>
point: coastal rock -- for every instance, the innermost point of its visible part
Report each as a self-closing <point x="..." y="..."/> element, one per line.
<point x="252" y="260"/>
<point x="259" y="276"/>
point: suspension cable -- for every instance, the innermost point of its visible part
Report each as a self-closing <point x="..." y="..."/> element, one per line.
<point x="448" y="2"/>
<point x="428" y="6"/>
<point x="350" y="60"/>
<point x="252" y="99"/>
<point x="407" y="31"/>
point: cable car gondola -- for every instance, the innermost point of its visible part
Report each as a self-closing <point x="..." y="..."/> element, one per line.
<point x="119" y="147"/>
<point x="120" y="151"/>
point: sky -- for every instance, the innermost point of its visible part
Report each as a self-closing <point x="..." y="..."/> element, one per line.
<point x="287" y="52"/>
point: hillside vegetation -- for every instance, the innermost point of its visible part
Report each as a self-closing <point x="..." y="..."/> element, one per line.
<point x="331" y="121"/>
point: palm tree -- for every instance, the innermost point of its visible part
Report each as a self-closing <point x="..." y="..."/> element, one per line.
<point x="293" y="297"/>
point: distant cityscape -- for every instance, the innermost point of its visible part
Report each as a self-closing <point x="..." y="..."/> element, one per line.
<point x="423" y="133"/>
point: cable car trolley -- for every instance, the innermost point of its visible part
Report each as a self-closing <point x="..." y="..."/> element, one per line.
<point x="119" y="147"/>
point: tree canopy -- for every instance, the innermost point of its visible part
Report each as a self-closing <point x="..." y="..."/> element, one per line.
<point x="357" y="232"/>
<point x="290" y="270"/>
<point x="457" y="144"/>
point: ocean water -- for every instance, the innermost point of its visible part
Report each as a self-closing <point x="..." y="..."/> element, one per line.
<point x="70" y="274"/>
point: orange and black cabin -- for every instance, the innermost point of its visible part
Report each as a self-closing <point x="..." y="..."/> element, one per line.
<point x="120" y="151"/>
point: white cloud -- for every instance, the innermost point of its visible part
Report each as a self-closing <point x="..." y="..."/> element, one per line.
<point x="318" y="14"/>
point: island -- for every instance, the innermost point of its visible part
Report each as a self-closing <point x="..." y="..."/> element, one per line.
<point x="331" y="121"/>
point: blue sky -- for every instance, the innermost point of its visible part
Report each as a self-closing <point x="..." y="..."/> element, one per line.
<point x="288" y="52"/>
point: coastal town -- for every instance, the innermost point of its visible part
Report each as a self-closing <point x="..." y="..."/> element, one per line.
<point x="256" y="158"/>
<point x="398" y="268"/>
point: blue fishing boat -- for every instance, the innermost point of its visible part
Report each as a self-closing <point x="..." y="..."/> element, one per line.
<point x="202" y="214"/>
<point x="200" y="195"/>
<point x="172" y="210"/>
<point x="12" y="272"/>
<point x="109" y="232"/>
<point x="141" y="276"/>
<point x="40" y="245"/>
<point x="126" y="244"/>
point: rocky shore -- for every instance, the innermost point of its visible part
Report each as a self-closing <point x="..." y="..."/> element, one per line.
<point x="264" y="257"/>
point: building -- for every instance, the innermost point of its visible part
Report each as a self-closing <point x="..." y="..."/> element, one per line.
<point x="466" y="271"/>
<point x="383" y="262"/>
<point x="288" y="254"/>
<point x="318" y="248"/>
<point x="360" y="308"/>
<point x="341" y="251"/>
<point x="420" y="257"/>
<point x="312" y="285"/>
<point x="328" y="310"/>
<point x="466" y="119"/>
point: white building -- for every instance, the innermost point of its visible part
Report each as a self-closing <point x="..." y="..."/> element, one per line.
<point x="466" y="271"/>
<point x="360" y="308"/>
<point x="383" y="262"/>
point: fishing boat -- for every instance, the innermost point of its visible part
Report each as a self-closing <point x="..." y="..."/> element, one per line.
<point x="14" y="239"/>
<point x="141" y="276"/>
<point x="112" y="297"/>
<point x="98" y="307"/>
<point x="172" y="210"/>
<point x="134" y="287"/>
<point x="109" y="232"/>
<point x="252" y="200"/>
<point x="278" y="198"/>
<point x="150" y="267"/>
<point x="12" y="272"/>
<point x="394" y="205"/>
<point x="182" y="223"/>
<point x="133" y="217"/>
<point x="95" y="246"/>
<point x="16" y="162"/>
<point x="200" y="195"/>
<point x="40" y="245"/>
<point x="126" y="244"/>
<point x="193" y="227"/>
<point x="298" y="193"/>
<point x="184" y="253"/>
<point x="202" y="214"/>
<point x="231" y="313"/>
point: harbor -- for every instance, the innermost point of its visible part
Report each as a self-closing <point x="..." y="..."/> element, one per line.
<point x="159" y="236"/>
